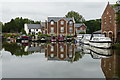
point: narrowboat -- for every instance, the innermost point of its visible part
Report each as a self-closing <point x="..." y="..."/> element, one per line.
<point x="100" y="41"/>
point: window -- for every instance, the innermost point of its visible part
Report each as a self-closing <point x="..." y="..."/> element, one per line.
<point x="29" y="30"/>
<point x="107" y="12"/>
<point x="32" y="30"/>
<point x="52" y="22"/>
<point x="52" y="29"/>
<point x="62" y="22"/>
<point x="105" y="22"/>
<point x="52" y="55"/>
<point x="81" y="28"/>
<point x="61" y="49"/>
<point x="70" y="29"/>
<point x="52" y="48"/>
<point x="36" y="29"/>
<point x="71" y="23"/>
<point x="61" y="55"/>
<point x="62" y="29"/>
<point x="110" y="19"/>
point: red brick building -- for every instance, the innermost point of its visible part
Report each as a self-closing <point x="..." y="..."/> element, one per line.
<point x="109" y="26"/>
<point x="60" y="26"/>
<point x="60" y="51"/>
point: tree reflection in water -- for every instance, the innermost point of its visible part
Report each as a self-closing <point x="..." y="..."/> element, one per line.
<point x="15" y="49"/>
<point x="110" y="59"/>
<point x="60" y="51"/>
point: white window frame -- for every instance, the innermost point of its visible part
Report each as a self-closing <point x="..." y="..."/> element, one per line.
<point x="62" y="29"/>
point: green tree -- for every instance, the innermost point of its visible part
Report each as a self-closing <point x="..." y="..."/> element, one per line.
<point x="23" y="31"/>
<point x="1" y="24"/>
<point x="93" y="25"/>
<point x="118" y="13"/>
<point x="78" y="18"/>
<point x="17" y="24"/>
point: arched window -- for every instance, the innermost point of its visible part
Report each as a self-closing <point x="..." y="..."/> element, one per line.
<point x="70" y="23"/>
<point x="111" y="35"/>
<point x="52" y="22"/>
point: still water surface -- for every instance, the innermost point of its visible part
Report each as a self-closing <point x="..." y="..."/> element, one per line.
<point x="59" y="60"/>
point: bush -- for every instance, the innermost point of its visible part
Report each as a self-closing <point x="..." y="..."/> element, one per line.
<point x="82" y="33"/>
<point x="11" y="35"/>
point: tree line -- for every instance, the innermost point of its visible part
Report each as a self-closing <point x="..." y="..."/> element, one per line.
<point x="17" y="25"/>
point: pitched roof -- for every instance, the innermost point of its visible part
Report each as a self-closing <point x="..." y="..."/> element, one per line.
<point x="34" y="26"/>
<point x="56" y="19"/>
<point x="79" y="25"/>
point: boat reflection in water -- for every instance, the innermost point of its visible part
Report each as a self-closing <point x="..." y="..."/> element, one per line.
<point x="57" y="51"/>
<point x="98" y="53"/>
<point x="111" y="65"/>
<point x="69" y="52"/>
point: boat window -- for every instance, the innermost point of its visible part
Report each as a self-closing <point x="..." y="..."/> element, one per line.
<point x="95" y="39"/>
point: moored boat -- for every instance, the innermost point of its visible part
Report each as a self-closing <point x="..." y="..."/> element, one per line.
<point x="100" y="42"/>
<point x="25" y="39"/>
<point x="86" y="39"/>
<point x="79" y="37"/>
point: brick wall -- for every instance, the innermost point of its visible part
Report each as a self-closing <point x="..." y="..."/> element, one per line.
<point x="57" y="28"/>
<point x="108" y="22"/>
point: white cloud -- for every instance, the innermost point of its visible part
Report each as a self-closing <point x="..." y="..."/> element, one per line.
<point x="41" y="10"/>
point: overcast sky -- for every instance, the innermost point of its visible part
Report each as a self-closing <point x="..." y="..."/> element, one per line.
<point x="41" y="9"/>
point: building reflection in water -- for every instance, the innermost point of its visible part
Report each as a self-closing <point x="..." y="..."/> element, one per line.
<point x="110" y="59"/>
<point x="111" y="65"/>
<point x="35" y="47"/>
<point x="56" y="51"/>
<point x="60" y="51"/>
